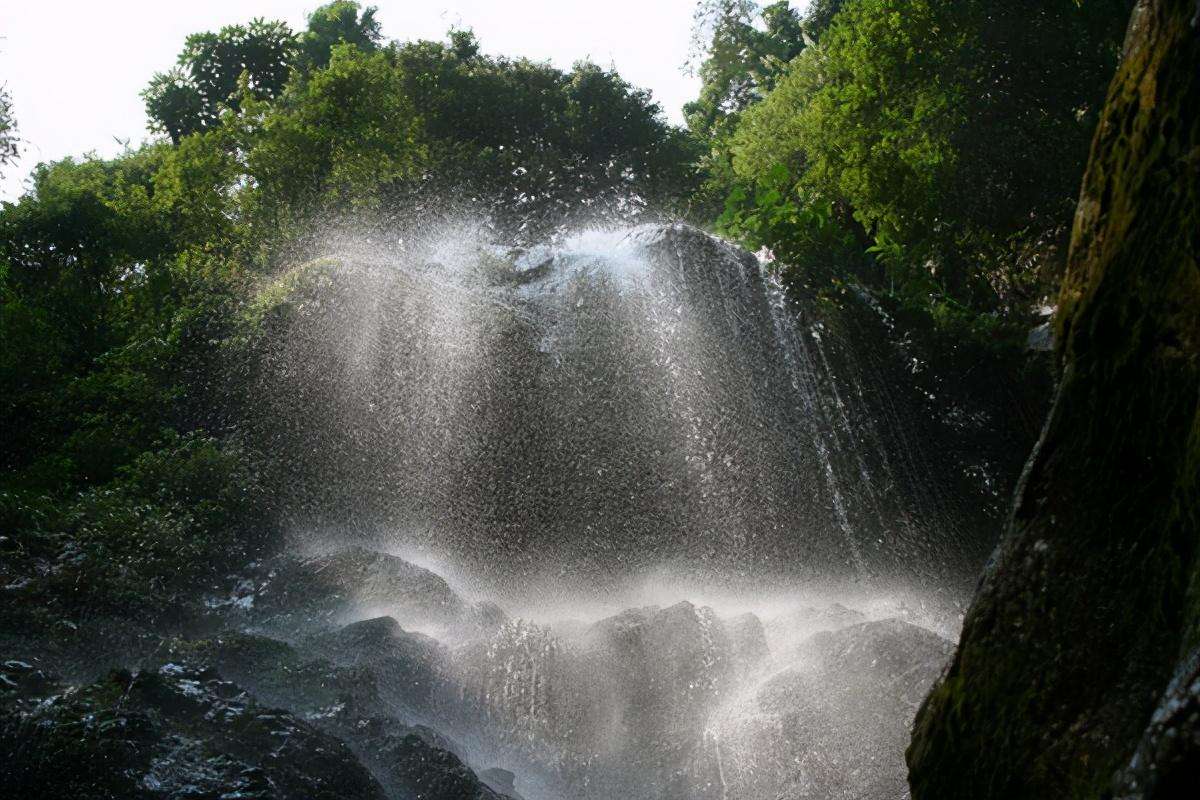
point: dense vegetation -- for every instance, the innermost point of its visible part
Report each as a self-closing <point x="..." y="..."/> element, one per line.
<point x="932" y="150"/>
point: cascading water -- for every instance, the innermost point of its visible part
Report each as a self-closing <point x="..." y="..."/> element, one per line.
<point x="622" y="417"/>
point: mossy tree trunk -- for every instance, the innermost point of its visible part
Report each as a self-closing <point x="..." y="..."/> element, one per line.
<point x="1093" y="596"/>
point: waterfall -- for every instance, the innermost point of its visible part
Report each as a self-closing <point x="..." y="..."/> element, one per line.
<point x="700" y="500"/>
<point x="604" y="404"/>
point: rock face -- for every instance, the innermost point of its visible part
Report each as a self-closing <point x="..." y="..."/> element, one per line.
<point x="604" y="402"/>
<point x="790" y="629"/>
<point x="653" y="703"/>
<point x="672" y="666"/>
<point x="618" y="709"/>
<point x="677" y="702"/>
<point x="411" y="666"/>
<point x="1164" y="765"/>
<point x="1090" y="601"/>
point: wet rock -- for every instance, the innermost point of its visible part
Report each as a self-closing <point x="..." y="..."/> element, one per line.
<point x="174" y="732"/>
<point x="501" y="780"/>
<point x="834" y="724"/>
<point x="747" y="639"/>
<point x="300" y="595"/>
<point x="787" y="630"/>
<point x="23" y="684"/>
<point x="417" y="769"/>
<point x="410" y="667"/>
<point x="1041" y="338"/>
<point x="1077" y="625"/>
<point x="617" y="710"/>
<point x="1165" y="763"/>
<point x="354" y="691"/>
<point x="480" y="619"/>
<point x="279" y="674"/>
<point x="184" y="731"/>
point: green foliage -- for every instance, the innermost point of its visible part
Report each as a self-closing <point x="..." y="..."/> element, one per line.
<point x="535" y="138"/>
<point x="771" y="215"/>
<point x="946" y="140"/>
<point x="215" y="72"/>
<point x="8" y="130"/>
<point x="164" y="525"/>
<point x="336" y="141"/>
<point x="339" y="22"/>
<point x="741" y="50"/>
<point x="102" y="269"/>
<point x="741" y="59"/>
<point x="819" y="15"/>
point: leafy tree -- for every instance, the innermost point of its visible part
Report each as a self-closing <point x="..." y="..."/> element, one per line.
<point x="533" y="137"/>
<point x="8" y="130"/>
<point x="954" y="134"/>
<point x="215" y="71"/>
<point x="741" y="49"/>
<point x="335" y="23"/>
<point x="102" y="293"/>
<point x="336" y="141"/>
<point x="819" y="16"/>
<point x="745" y="49"/>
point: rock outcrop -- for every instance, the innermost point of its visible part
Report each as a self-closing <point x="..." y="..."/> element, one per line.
<point x="182" y="730"/>
<point x="1093" y="596"/>
<point x="291" y="595"/>
<point x="173" y="732"/>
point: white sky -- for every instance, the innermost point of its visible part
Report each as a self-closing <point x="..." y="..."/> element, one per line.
<point x="74" y="69"/>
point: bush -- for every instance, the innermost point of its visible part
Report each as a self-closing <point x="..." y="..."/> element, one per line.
<point x="168" y="524"/>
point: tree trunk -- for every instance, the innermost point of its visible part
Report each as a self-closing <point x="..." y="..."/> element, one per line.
<point x="1093" y="596"/>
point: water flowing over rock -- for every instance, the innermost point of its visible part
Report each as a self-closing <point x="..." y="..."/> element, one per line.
<point x="606" y="517"/>
<point x="652" y="702"/>
<point x="596" y="407"/>
<point x="634" y="419"/>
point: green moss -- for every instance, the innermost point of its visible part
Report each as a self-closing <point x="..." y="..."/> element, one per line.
<point x="1093" y="596"/>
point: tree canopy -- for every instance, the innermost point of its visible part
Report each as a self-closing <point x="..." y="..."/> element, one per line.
<point x="944" y="140"/>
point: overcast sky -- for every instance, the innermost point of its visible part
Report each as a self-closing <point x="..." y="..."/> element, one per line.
<point x="74" y="69"/>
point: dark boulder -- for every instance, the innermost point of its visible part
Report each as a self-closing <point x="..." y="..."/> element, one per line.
<point x="293" y="596"/>
<point x="174" y="732"/>
<point x="1165" y="764"/>
<point x="410" y="668"/>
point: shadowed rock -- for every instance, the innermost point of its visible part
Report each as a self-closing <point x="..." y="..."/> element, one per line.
<point x="174" y="732"/>
<point x="324" y="591"/>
